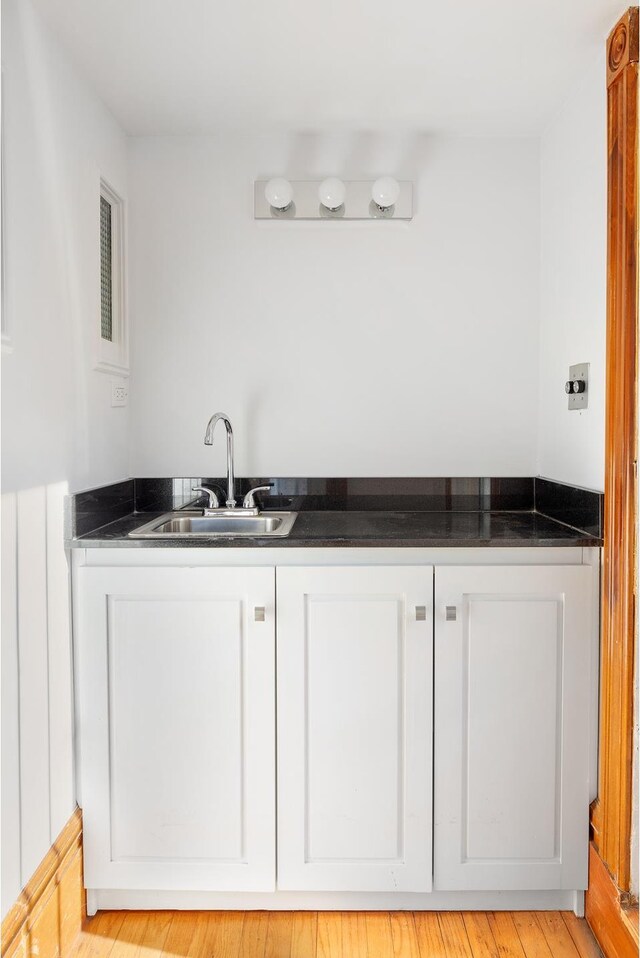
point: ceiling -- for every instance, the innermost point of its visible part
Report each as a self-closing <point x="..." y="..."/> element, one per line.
<point x="455" y="66"/>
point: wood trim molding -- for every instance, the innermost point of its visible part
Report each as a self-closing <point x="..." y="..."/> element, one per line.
<point x="47" y="917"/>
<point x="622" y="44"/>
<point x="612" y="821"/>
<point x="615" y="926"/>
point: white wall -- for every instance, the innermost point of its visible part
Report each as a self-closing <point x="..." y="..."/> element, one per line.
<point x="573" y="282"/>
<point x="343" y="349"/>
<point x="336" y="349"/>
<point x="58" y="428"/>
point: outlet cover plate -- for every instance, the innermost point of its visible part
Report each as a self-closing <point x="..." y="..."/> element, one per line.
<point x="579" y="400"/>
<point x="119" y="392"/>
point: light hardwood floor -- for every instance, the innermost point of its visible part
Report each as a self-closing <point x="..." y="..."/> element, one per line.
<point x="336" y="935"/>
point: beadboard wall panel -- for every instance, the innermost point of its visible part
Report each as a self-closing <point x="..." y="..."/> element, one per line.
<point x="33" y="679"/>
<point x="61" y="783"/>
<point x="10" y="771"/>
<point x="37" y="711"/>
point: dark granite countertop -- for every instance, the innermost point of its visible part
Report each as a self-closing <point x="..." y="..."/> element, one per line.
<point x="353" y="529"/>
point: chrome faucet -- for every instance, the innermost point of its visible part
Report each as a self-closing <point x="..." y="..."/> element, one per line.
<point x="249" y="505"/>
<point x="208" y="440"/>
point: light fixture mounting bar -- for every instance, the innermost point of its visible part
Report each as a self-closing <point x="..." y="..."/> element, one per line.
<point x="358" y="204"/>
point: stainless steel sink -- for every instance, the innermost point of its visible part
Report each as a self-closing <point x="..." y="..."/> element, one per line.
<point x="190" y="525"/>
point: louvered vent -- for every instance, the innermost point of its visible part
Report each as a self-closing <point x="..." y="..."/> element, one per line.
<point x="106" y="278"/>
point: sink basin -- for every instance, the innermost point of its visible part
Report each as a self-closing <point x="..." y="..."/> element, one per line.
<point x="192" y="525"/>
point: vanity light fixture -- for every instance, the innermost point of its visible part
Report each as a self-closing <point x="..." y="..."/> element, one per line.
<point x="279" y="193"/>
<point x="333" y="199"/>
<point x="385" y="192"/>
<point x="332" y="193"/>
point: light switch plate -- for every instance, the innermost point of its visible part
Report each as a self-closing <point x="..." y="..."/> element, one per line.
<point x="579" y="400"/>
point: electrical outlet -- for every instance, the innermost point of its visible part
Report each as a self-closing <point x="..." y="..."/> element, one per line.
<point x="119" y="392"/>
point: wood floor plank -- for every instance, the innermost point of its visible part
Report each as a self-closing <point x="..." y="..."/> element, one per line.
<point x="278" y="935"/>
<point x="403" y="935"/>
<point x="180" y="935"/>
<point x="329" y="938"/>
<point x="203" y="935"/>
<point x="379" y="940"/>
<point x="557" y="934"/>
<point x="532" y="939"/>
<point x="304" y="934"/>
<point x="354" y="934"/>
<point x="130" y="938"/>
<point x="582" y="936"/>
<point x="254" y="934"/>
<point x="505" y="934"/>
<point x="479" y="934"/>
<point x="225" y="934"/>
<point x="156" y="933"/>
<point x="429" y="935"/>
<point x="454" y="935"/>
<point x="99" y="934"/>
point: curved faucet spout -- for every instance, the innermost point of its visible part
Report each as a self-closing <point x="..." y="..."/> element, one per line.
<point x="208" y="439"/>
<point x="211" y="425"/>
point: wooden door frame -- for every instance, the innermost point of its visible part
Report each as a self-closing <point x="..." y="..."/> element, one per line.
<point x="610" y="874"/>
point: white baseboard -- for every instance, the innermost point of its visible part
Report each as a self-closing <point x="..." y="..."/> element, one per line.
<point x="135" y="900"/>
<point x="578" y="904"/>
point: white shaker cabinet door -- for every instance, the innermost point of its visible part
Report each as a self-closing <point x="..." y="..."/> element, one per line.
<point x="177" y="700"/>
<point x="512" y="679"/>
<point x="355" y="655"/>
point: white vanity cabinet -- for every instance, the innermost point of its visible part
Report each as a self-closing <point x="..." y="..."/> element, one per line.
<point x="512" y="665"/>
<point x="355" y="725"/>
<point x="431" y="713"/>
<point x="177" y="725"/>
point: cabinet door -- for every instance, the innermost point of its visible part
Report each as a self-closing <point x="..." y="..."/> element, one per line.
<point x="355" y="728"/>
<point x="512" y="667"/>
<point x="177" y="701"/>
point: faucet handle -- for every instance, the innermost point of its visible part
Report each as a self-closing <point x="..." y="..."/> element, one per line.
<point x="249" y="502"/>
<point x="214" y="502"/>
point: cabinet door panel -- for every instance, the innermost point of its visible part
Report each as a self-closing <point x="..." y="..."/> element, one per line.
<point x="177" y="692"/>
<point x="511" y="727"/>
<point x="354" y="729"/>
<point x="175" y="729"/>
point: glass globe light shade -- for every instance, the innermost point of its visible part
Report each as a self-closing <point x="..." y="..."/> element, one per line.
<point x="279" y="193"/>
<point x="385" y="191"/>
<point x="332" y="192"/>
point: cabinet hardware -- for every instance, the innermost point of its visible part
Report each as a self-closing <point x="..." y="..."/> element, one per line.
<point x="421" y="613"/>
<point x="451" y="613"/>
<point x="259" y="613"/>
